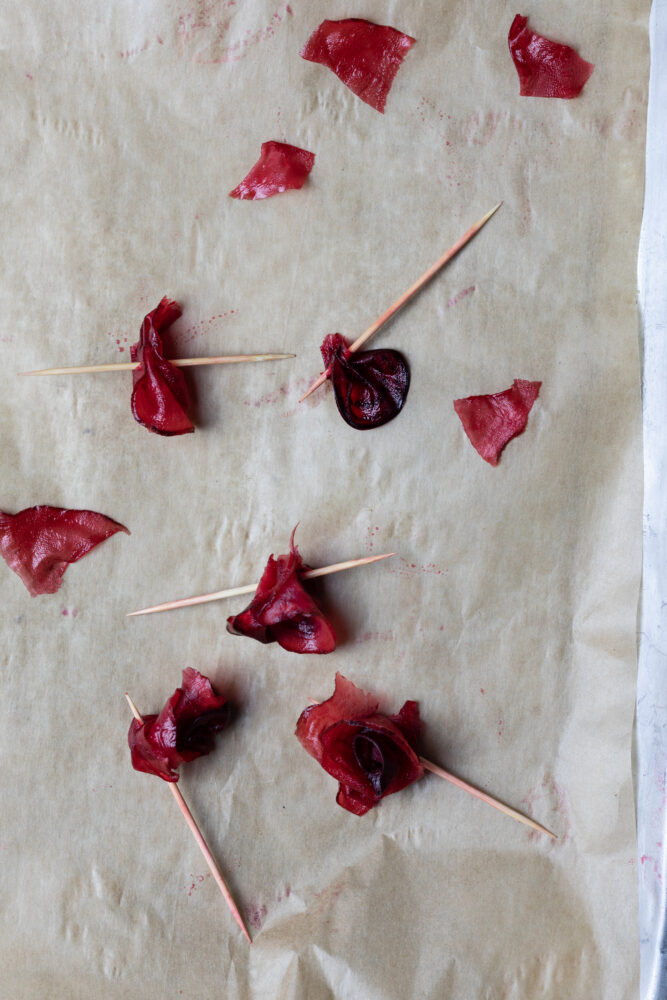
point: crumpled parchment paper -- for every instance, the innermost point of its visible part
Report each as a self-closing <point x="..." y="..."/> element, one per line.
<point x="509" y="612"/>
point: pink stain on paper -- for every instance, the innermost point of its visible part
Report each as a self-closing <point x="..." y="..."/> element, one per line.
<point x="370" y="532"/>
<point x="206" y="24"/>
<point x="257" y="915"/>
<point x="269" y="398"/>
<point x="399" y="565"/>
<point x="196" y="330"/>
<point x="281" y="128"/>
<point x="325" y="899"/>
<point x="402" y="567"/>
<point x="74" y="612"/>
<point x="455" y="299"/>
<point x="120" y="339"/>
<point x="293" y="390"/>
<point x="474" y="129"/>
<point x="196" y="882"/>
<point x="458" y="134"/>
<point x="387" y="636"/>
<point x="548" y="800"/>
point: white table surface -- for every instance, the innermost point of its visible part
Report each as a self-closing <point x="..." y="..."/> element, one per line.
<point x="651" y="733"/>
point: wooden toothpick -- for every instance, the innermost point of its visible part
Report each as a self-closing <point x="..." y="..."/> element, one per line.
<point x="406" y="296"/>
<point x="496" y="803"/>
<point x="126" y="366"/>
<point x="309" y="574"/>
<point x="203" y="846"/>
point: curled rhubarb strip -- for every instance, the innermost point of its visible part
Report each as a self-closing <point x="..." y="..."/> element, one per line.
<point x="160" y="397"/>
<point x="281" y="611"/>
<point x="370" y="755"/>
<point x="184" y="730"/>
<point x="370" y="386"/>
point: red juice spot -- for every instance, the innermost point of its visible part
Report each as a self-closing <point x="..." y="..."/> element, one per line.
<point x="257" y="916"/>
<point x="65" y="611"/>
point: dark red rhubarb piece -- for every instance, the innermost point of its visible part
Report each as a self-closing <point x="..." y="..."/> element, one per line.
<point x="184" y="730"/>
<point x="545" y="68"/>
<point x="281" y="611"/>
<point x="491" y="421"/>
<point x="280" y="167"/>
<point x="369" y="754"/>
<point x="370" y="386"/>
<point x="39" y="543"/>
<point x="160" y="397"/>
<point x="365" y="56"/>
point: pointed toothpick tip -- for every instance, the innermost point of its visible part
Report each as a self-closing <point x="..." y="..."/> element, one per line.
<point x="133" y="708"/>
<point x="320" y="380"/>
<point x="485" y="218"/>
<point x="272" y="357"/>
<point x="490" y="800"/>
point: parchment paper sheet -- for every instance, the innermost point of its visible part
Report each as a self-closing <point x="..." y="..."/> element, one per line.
<point x="510" y="611"/>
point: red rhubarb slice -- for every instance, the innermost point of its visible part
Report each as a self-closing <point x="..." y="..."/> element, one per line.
<point x="365" y="56"/>
<point x="39" y="543"/>
<point x="280" y="167"/>
<point x="491" y="421"/>
<point x="545" y="68"/>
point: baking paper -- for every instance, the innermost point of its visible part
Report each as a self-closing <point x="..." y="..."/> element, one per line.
<point x="509" y="611"/>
